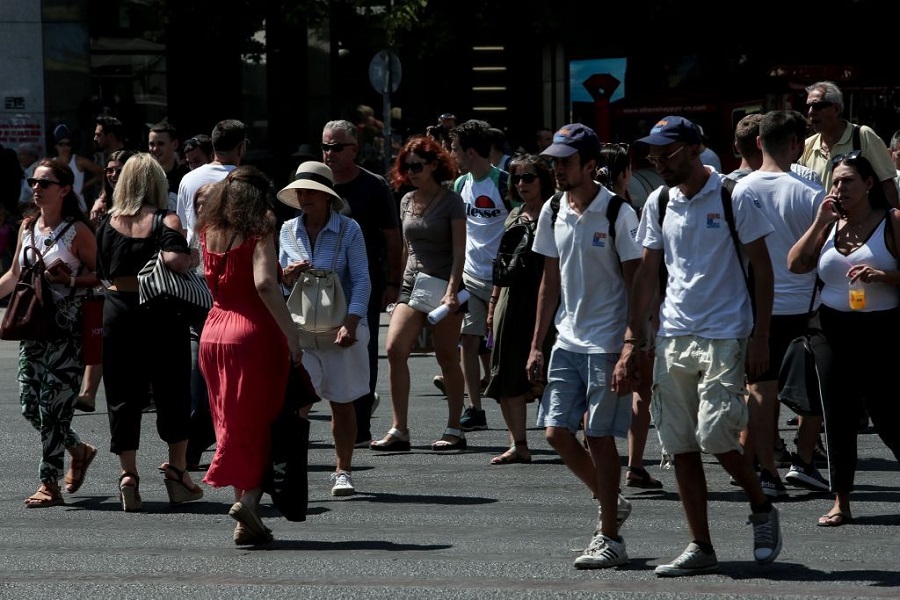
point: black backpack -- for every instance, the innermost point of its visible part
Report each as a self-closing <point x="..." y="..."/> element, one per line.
<point x="612" y="212"/>
<point x="515" y="261"/>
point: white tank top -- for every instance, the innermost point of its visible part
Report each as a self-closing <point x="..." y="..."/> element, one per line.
<point x="833" y="267"/>
<point x="60" y="249"/>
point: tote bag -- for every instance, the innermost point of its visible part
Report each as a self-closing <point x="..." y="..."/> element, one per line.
<point x="317" y="303"/>
<point x="186" y="292"/>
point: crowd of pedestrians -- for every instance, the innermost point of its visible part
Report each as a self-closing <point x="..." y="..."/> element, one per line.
<point x="679" y="311"/>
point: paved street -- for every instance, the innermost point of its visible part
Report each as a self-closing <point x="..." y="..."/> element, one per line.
<point x="423" y="525"/>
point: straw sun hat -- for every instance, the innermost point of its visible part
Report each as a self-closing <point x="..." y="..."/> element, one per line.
<point x="311" y="175"/>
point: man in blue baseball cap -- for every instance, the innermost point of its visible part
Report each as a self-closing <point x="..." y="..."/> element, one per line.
<point x="707" y="333"/>
<point x="587" y="272"/>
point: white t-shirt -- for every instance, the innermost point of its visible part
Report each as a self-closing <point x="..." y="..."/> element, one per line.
<point x="187" y="189"/>
<point x="706" y="294"/>
<point x="790" y="203"/>
<point x="593" y="306"/>
<point x="485" y="217"/>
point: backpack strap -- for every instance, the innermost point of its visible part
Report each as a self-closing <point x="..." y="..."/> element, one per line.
<point x="612" y="214"/>
<point x="503" y="188"/>
<point x="728" y="211"/>
<point x="662" y="201"/>
<point x="857" y="144"/>
<point x="554" y="208"/>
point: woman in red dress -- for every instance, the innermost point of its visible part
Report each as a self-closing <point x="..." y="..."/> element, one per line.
<point x="248" y="341"/>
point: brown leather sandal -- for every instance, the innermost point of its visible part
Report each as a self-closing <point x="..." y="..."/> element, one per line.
<point x="78" y="468"/>
<point x="47" y="495"/>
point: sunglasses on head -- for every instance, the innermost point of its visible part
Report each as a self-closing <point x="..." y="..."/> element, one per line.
<point x="334" y="147"/>
<point x="818" y="105"/>
<point x="43" y="183"/>
<point x="842" y="157"/>
<point x="414" y="167"/>
<point x="524" y="178"/>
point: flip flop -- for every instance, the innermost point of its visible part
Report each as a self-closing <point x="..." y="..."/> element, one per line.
<point x="80" y="466"/>
<point x="835" y="519"/>
<point x="510" y="457"/>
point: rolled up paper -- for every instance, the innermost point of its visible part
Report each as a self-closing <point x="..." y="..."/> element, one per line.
<point x="441" y="311"/>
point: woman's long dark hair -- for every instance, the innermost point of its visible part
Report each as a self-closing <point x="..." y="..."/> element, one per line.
<point x="861" y="165"/>
<point x="239" y="203"/>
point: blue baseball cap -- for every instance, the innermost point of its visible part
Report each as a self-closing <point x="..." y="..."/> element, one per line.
<point x="672" y="129"/>
<point x="570" y="139"/>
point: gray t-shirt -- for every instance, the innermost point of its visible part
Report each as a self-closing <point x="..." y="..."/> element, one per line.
<point x="429" y="237"/>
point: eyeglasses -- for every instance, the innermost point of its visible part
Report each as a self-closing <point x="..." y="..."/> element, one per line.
<point x="657" y="160"/>
<point x="334" y="147"/>
<point x="446" y="116"/>
<point x="818" y="105"/>
<point x="63" y="143"/>
<point x="524" y="178"/>
<point x="43" y="183"/>
<point x="842" y="157"/>
<point x="414" y="167"/>
<point x="113" y="170"/>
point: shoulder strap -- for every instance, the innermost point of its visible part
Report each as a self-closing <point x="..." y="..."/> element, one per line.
<point x="158" y="217"/>
<point x="728" y="211"/>
<point x="612" y="214"/>
<point x="503" y="188"/>
<point x="728" y="183"/>
<point x="337" y="248"/>
<point x="889" y="233"/>
<point x="857" y="144"/>
<point x="554" y="208"/>
<point x="662" y="201"/>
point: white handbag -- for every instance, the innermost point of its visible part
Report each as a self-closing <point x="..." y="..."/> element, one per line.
<point x="318" y="305"/>
<point x="427" y="292"/>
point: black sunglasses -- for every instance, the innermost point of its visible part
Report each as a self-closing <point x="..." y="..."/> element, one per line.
<point x="111" y="170"/>
<point x="44" y="183"/>
<point x="524" y="177"/>
<point x="842" y="157"/>
<point x="334" y="147"/>
<point x="819" y="105"/>
<point x="415" y="167"/>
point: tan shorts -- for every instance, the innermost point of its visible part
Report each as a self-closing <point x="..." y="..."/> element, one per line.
<point x="698" y="394"/>
<point x="475" y="321"/>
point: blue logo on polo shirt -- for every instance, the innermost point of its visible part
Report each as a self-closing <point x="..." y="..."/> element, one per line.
<point x="599" y="239"/>
<point x="713" y="221"/>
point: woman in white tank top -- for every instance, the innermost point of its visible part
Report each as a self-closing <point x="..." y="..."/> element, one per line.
<point x="85" y="171"/>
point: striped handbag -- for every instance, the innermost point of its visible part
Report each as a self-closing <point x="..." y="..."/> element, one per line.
<point x="187" y="293"/>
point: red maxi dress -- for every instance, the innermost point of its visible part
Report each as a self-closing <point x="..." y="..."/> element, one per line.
<point x="244" y="358"/>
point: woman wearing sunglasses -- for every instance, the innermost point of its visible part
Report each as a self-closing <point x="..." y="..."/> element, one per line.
<point x="114" y="164"/>
<point x="853" y="243"/>
<point x="434" y="233"/>
<point x="511" y="308"/>
<point x="50" y="371"/>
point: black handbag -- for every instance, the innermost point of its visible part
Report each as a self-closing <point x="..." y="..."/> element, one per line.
<point x="803" y="369"/>
<point x="287" y="481"/>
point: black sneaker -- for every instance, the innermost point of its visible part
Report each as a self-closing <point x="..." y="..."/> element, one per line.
<point x="772" y="485"/>
<point x="806" y="476"/>
<point x="783" y="458"/>
<point x="473" y="419"/>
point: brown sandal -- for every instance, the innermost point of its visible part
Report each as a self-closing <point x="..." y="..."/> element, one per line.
<point x="46" y="496"/>
<point x="78" y="468"/>
<point x="512" y="455"/>
<point x="639" y="477"/>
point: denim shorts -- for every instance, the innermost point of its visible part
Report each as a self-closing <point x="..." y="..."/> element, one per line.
<point x="698" y="394"/>
<point x="579" y="383"/>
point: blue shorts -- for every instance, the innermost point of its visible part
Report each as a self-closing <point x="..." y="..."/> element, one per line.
<point x="579" y="383"/>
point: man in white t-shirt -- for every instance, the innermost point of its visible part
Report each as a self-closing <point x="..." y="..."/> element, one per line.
<point x="483" y="189"/>
<point x="588" y="267"/>
<point x="790" y="203"/>
<point x="229" y="139"/>
<point x="706" y="333"/>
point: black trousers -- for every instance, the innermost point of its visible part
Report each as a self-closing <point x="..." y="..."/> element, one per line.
<point x="861" y="378"/>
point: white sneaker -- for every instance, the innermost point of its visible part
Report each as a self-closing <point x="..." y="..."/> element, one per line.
<point x="603" y="552"/>
<point x="692" y="561"/>
<point x="343" y="484"/>
<point x="623" y="511"/>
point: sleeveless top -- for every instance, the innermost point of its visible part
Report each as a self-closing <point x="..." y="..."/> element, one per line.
<point x="119" y="255"/>
<point x="833" y="267"/>
<point x="60" y="249"/>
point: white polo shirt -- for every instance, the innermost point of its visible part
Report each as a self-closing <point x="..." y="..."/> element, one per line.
<point x="706" y="294"/>
<point x="593" y="305"/>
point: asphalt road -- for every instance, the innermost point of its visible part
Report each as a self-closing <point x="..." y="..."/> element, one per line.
<point x="422" y="525"/>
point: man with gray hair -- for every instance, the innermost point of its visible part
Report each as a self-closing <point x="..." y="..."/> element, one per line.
<point x="371" y="204"/>
<point x="836" y="136"/>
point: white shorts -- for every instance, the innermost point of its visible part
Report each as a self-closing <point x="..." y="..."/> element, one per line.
<point x="341" y="375"/>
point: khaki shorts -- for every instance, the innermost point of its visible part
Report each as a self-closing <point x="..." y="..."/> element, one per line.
<point x="475" y="321"/>
<point x="698" y="394"/>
